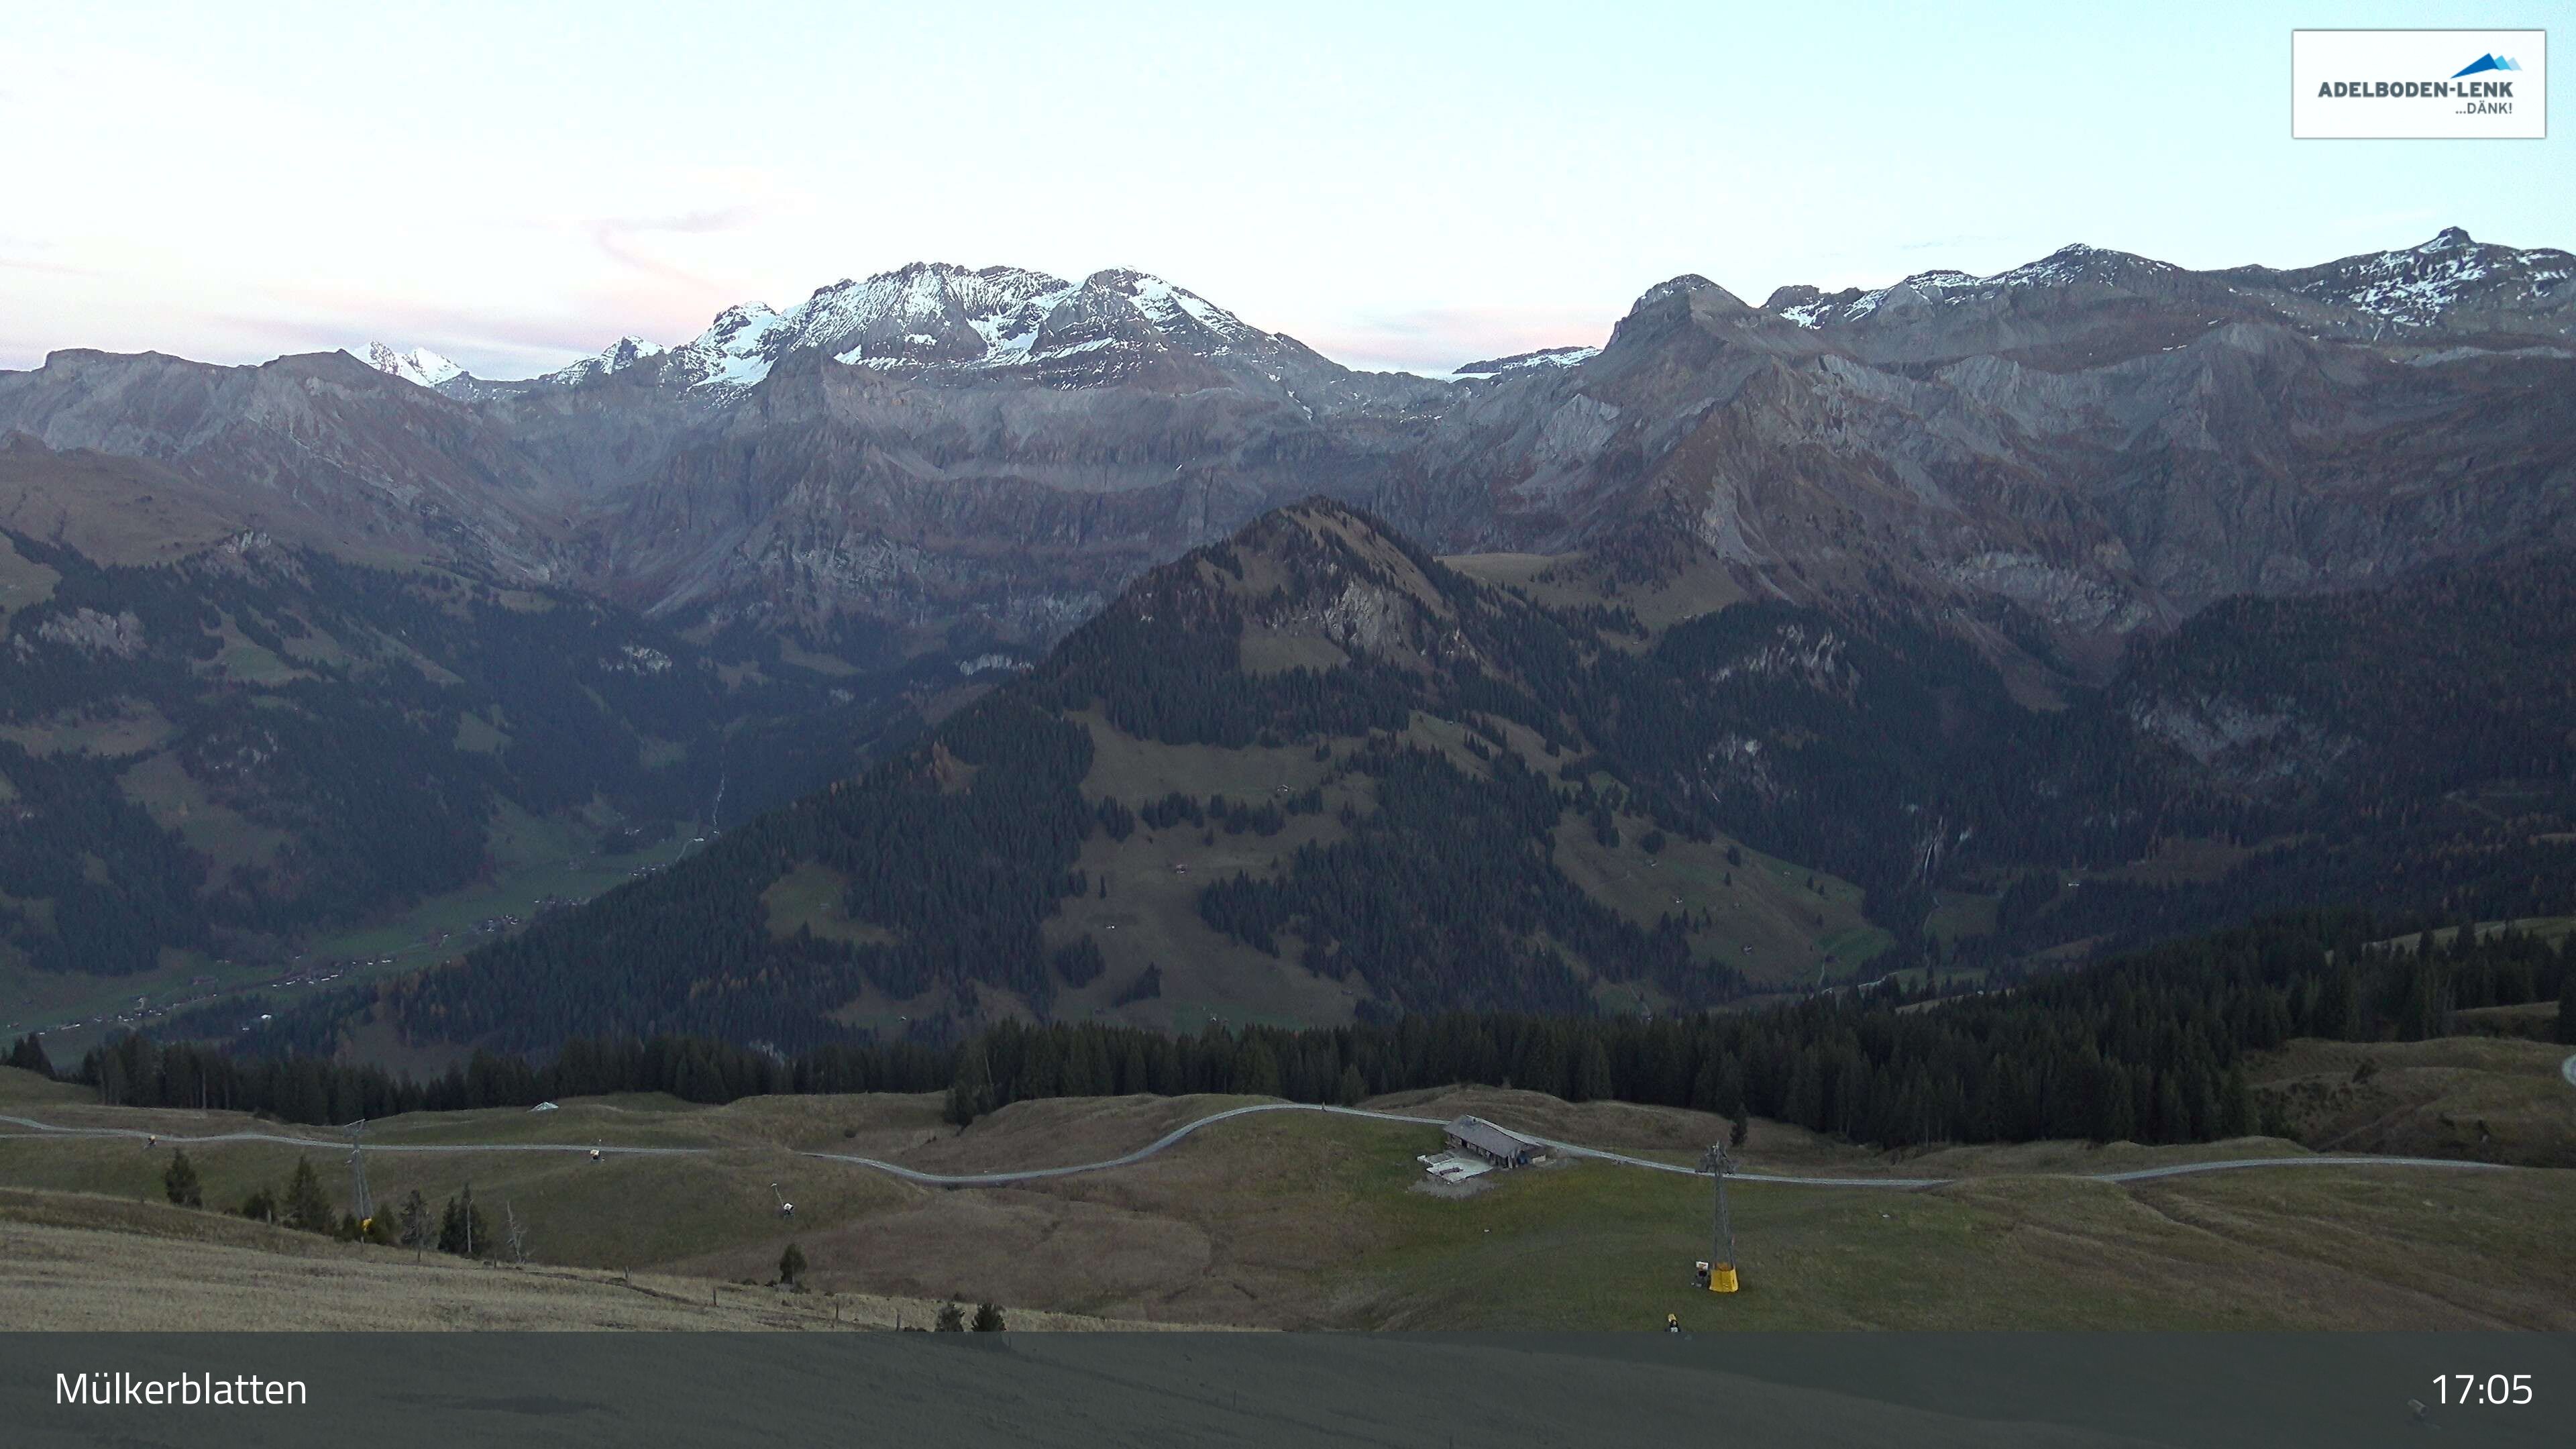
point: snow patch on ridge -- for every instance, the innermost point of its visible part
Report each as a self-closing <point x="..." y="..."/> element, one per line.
<point x="419" y="367"/>
<point x="1540" y="360"/>
<point x="2417" y="286"/>
<point x="1162" y="303"/>
<point x="2412" y="287"/>
<point x="2067" y="266"/>
<point x="620" y="355"/>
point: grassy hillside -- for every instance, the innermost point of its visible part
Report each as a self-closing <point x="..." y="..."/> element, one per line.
<point x="1298" y="1220"/>
<point x="2488" y="1100"/>
<point x="84" y="1263"/>
<point x="17" y="1087"/>
<point x="1772" y="920"/>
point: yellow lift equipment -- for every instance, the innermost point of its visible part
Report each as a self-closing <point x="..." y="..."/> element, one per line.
<point x="1718" y="1274"/>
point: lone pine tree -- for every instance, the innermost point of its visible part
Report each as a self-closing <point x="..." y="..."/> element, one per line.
<point x="415" y="1221"/>
<point x="307" y="1208"/>
<point x="180" y="1182"/>
<point x="461" y="1228"/>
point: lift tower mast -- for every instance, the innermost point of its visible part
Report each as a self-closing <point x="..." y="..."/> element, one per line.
<point x="361" y="1204"/>
<point x="1720" y="1277"/>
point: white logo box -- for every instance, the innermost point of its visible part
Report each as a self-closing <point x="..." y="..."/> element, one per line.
<point x="2408" y="84"/>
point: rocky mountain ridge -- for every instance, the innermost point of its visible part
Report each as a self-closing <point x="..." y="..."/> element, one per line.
<point x="2056" y="457"/>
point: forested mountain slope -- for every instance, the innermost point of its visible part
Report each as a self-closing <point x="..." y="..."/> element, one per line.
<point x="217" y="744"/>
<point x="1398" y="821"/>
<point x="1315" y="774"/>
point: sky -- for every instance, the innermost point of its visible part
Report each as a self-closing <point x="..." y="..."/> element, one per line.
<point x="1411" y="185"/>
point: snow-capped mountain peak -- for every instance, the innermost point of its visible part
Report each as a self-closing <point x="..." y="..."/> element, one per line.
<point x="938" y="315"/>
<point x="2420" y="286"/>
<point x="2069" y="265"/>
<point x="738" y="329"/>
<point x="618" y="356"/>
<point x="923" y="313"/>
<point x="2451" y="281"/>
<point x="419" y="367"/>
<point x="1165" y="305"/>
<point x="1686" y="285"/>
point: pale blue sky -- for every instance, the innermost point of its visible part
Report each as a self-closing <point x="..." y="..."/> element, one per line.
<point x="1398" y="185"/>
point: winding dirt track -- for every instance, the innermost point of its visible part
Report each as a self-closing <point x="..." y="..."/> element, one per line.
<point x="45" y="1131"/>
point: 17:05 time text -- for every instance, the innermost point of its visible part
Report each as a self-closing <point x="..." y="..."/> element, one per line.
<point x="2483" y="1388"/>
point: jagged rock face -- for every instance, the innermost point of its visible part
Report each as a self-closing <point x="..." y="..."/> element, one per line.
<point x="2097" y="442"/>
<point x="1026" y="505"/>
<point x="321" y="447"/>
<point x="2251" y="748"/>
<point x="118" y="634"/>
<point x="936" y="444"/>
<point x="2067" y="452"/>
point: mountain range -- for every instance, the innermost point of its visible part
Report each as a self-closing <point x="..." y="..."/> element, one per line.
<point x="2068" y="505"/>
<point x="2070" y="451"/>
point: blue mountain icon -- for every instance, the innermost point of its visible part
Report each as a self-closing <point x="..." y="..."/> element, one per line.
<point x="2485" y="63"/>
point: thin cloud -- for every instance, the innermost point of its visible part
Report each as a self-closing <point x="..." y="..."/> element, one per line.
<point x="1939" y="242"/>
<point x="618" y="237"/>
<point x="60" y="269"/>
